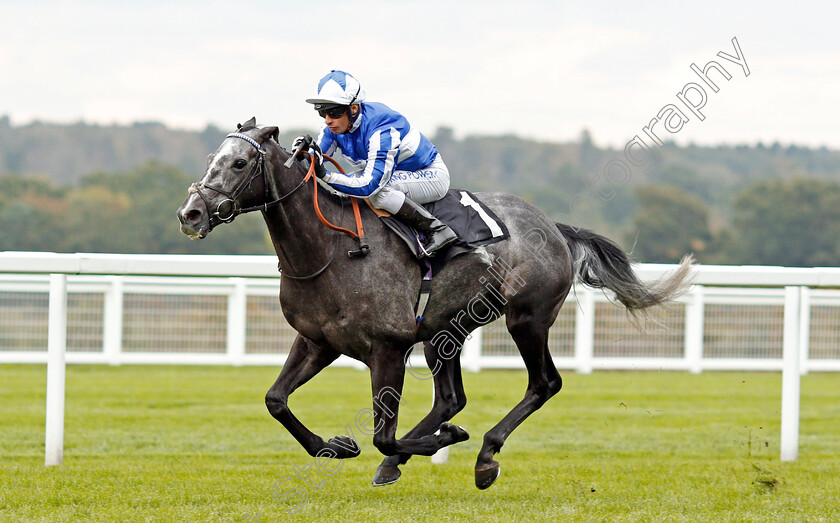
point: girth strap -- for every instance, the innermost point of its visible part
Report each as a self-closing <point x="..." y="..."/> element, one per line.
<point x="423" y="296"/>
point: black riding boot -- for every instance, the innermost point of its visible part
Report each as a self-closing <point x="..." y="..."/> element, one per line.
<point x="437" y="233"/>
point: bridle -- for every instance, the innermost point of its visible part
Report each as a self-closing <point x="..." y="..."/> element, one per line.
<point x="259" y="170"/>
<point x="231" y="197"/>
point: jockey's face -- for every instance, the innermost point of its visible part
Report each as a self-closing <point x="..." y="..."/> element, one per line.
<point x="341" y="124"/>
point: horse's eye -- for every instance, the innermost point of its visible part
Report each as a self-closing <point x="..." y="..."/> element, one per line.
<point x="240" y="163"/>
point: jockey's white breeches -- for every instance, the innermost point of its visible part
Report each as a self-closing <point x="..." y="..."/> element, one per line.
<point x="425" y="185"/>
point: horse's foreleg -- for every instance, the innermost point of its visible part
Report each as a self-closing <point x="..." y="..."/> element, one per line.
<point x="387" y="372"/>
<point x="305" y="360"/>
<point x="449" y="400"/>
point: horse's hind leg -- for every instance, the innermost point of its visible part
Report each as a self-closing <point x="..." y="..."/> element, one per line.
<point x="387" y="374"/>
<point x="449" y="400"/>
<point x="531" y="337"/>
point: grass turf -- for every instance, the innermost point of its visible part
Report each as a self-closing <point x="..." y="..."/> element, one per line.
<point x="197" y="444"/>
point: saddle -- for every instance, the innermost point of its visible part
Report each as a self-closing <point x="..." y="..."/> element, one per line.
<point x="473" y="222"/>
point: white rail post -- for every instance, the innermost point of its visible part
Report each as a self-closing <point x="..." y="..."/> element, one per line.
<point x="471" y="351"/>
<point x="694" y="318"/>
<point x="804" y="329"/>
<point x="441" y="456"/>
<point x="584" y="330"/>
<point x="237" y="315"/>
<point x="113" y="321"/>
<point x="790" y="376"/>
<point x="56" y="348"/>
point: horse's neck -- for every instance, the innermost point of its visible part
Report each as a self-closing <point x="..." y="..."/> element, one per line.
<point x="303" y="245"/>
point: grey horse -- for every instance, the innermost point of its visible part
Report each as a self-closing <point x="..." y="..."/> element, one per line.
<point x="364" y="307"/>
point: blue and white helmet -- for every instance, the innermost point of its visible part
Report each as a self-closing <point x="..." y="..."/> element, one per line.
<point x="338" y="88"/>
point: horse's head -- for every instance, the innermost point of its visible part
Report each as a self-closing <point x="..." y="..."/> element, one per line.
<point x="235" y="181"/>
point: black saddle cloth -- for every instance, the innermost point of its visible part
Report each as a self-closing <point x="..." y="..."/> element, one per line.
<point x="473" y="222"/>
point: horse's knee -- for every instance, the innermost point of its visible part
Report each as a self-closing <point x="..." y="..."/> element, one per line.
<point x="275" y="403"/>
<point x="460" y="403"/>
<point x="555" y="385"/>
<point x="543" y="392"/>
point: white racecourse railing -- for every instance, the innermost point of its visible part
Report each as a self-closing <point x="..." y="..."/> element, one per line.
<point x="173" y="309"/>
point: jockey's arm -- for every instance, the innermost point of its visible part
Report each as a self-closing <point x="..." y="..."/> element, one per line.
<point x="383" y="149"/>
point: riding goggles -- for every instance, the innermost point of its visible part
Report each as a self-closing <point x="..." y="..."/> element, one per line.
<point x="335" y="111"/>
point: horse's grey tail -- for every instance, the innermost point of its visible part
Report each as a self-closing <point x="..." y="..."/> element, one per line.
<point x="600" y="263"/>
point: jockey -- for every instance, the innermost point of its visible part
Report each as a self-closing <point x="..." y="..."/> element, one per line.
<point x="398" y="168"/>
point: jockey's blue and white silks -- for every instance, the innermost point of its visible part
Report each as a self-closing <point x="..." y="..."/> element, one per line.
<point x="380" y="142"/>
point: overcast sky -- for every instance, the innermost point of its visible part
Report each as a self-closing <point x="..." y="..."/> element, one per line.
<point x="539" y="69"/>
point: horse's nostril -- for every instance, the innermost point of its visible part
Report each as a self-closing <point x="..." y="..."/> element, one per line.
<point x="193" y="215"/>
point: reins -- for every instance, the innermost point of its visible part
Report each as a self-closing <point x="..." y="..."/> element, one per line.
<point x="363" y="246"/>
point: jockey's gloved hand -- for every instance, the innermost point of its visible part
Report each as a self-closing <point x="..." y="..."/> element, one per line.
<point x="315" y="151"/>
<point x="302" y="143"/>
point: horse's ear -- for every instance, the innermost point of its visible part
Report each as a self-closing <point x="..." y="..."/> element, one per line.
<point x="250" y="123"/>
<point x="269" y="132"/>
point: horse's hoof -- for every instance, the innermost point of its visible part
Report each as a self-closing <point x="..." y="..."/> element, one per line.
<point x="458" y="433"/>
<point x="486" y="476"/>
<point x="385" y="475"/>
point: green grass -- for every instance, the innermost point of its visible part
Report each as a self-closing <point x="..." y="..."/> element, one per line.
<point x="197" y="444"/>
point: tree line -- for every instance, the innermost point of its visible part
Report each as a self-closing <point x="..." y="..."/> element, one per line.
<point x="88" y="188"/>
<point x="790" y="222"/>
<point x="127" y="212"/>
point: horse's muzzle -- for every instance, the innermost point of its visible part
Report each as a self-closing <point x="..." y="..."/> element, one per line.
<point x="193" y="222"/>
